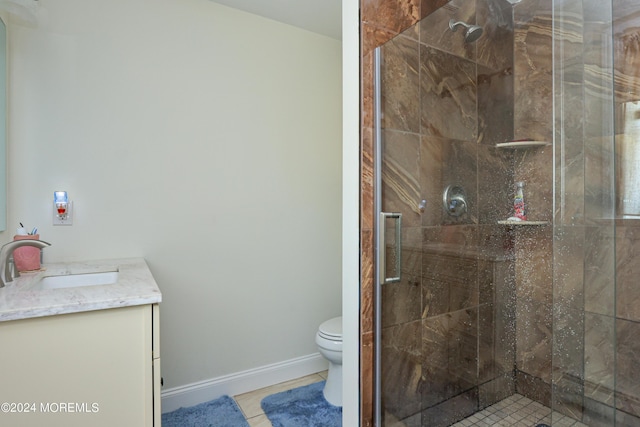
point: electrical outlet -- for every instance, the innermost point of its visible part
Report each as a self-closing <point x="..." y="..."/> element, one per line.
<point x="67" y="219"/>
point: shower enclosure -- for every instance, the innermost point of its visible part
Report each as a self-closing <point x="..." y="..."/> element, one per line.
<point x="471" y="305"/>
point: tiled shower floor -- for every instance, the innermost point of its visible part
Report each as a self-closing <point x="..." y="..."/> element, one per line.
<point x="517" y="411"/>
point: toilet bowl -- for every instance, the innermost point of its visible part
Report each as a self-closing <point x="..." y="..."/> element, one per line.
<point x="329" y="341"/>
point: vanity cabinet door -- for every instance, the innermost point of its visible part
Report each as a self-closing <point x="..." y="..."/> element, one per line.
<point x="84" y="369"/>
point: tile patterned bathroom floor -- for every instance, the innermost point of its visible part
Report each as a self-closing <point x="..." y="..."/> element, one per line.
<point x="249" y="403"/>
<point x="517" y="411"/>
<point x="514" y="411"/>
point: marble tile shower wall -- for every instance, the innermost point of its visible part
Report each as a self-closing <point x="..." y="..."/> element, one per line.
<point x="577" y="236"/>
<point x="452" y="102"/>
<point x="588" y="322"/>
<point x="441" y="360"/>
<point x="626" y="346"/>
<point x="595" y="328"/>
<point x="533" y="119"/>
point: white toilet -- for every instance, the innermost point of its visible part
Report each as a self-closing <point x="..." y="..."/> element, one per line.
<point x="329" y="340"/>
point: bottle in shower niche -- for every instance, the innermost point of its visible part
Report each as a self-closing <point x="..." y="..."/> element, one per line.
<point x="518" y="202"/>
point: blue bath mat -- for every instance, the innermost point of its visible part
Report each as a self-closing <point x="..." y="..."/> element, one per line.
<point x="302" y="407"/>
<point x="221" y="412"/>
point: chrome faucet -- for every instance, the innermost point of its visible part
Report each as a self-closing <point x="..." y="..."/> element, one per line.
<point x="6" y="251"/>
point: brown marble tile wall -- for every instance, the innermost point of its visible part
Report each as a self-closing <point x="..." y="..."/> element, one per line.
<point x="627" y="374"/>
<point x="627" y="328"/>
<point x="590" y="332"/>
<point x="496" y="349"/>
<point x="628" y="272"/>
<point x="533" y="106"/>
<point x="468" y="330"/>
<point x="381" y="21"/>
<point x="450" y="363"/>
<point x="599" y="360"/>
<point x="583" y="350"/>
<point x="367" y="254"/>
<point x="569" y="250"/>
<point x="595" y="259"/>
<point x="599" y="274"/>
<point x="626" y="30"/>
<point x="568" y="320"/>
<point x="402" y="369"/>
<point x="533" y="278"/>
<point x="464" y="108"/>
<point x="598" y="118"/>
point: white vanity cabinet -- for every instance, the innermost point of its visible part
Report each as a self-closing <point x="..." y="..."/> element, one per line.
<point x="92" y="368"/>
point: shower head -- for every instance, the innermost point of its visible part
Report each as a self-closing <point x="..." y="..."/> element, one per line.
<point x="472" y="33"/>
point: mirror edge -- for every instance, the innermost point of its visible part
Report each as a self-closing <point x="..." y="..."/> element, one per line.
<point x="4" y="134"/>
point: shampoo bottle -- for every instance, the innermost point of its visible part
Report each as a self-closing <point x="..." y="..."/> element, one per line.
<point x="518" y="202"/>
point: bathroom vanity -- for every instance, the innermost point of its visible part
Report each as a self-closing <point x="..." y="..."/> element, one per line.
<point x="79" y="346"/>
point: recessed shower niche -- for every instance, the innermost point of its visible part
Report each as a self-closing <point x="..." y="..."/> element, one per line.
<point x="521" y="152"/>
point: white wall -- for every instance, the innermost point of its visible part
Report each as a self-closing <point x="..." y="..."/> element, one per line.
<point x="351" y="213"/>
<point x="202" y="138"/>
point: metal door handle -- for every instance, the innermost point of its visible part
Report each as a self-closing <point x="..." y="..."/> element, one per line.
<point x="382" y="249"/>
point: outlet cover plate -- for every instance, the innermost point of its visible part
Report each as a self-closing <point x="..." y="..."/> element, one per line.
<point x="68" y="221"/>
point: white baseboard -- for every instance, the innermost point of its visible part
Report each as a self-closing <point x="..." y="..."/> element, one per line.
<point x="242" y="382"/>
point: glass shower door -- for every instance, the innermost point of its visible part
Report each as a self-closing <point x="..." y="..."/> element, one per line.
<point x="445" y="325"/>
<point x="476" y="308"/>
<point x="585" y="320"/>
<point x="482" y="309"/>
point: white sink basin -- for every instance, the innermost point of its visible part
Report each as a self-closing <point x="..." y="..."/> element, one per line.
<point x="76" y="280"/>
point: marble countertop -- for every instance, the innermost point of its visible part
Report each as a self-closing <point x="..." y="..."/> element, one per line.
<point x="21" y="299"/>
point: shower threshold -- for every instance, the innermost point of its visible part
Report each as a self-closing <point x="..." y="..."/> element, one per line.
<point x="517" y="411"/>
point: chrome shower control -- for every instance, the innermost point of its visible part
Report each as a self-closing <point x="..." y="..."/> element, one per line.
<point x="454" y="200"/>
